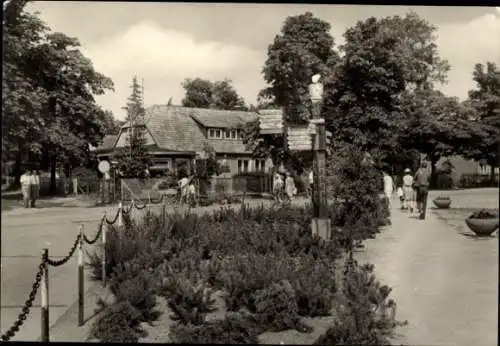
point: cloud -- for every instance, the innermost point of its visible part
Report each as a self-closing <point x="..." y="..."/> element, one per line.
<point x="164" y="58"/>
<point x="464" y="46"/>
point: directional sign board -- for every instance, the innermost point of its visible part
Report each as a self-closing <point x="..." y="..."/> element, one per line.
<point x="299" y="138"/>
<point x="271" y="121"/>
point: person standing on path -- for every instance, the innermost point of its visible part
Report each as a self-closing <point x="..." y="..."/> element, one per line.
<point x="409" y="193"/>
<point x="422" y="185"/>
<point x="388" y="188"/>
<point x="277" y="187"/>
<point x="35" y="187"/>
<point x="290" y="188"/>
<point x="26" y="188"/>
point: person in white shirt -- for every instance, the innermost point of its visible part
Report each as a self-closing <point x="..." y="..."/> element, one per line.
<point x="26" y="188"/>
<point x="277" y="187"/>
<point x="184" y="189"/>
<point x="290" y="188"/>
<point x="35" y="187"/>
<point x="388" y="188"/>
<point x="409" y="192"/>
<point x="311" y="182"/>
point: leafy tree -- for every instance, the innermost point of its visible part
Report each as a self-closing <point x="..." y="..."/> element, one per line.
<point x="48" y="78"/>
<point x="201" y="93"/>
<point x="226" y="97"/>
<point x="303" y="48"/>
<point x="485" y="100"/>
<point x="111" y="124"/>
<point x="134" y="160"/>
<point x="436" y="125"/>
<point x="361" y="97"/>
<point x="383" y="59"/>
<point x="418" y="51"/>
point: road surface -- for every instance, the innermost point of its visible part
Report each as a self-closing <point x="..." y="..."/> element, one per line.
<point x="445" y="283"/>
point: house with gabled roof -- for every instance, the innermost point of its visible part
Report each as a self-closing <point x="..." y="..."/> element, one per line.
<point x="176" y="136"/>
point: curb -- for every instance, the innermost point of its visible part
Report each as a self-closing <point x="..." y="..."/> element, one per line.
<point x="66" y="327"/>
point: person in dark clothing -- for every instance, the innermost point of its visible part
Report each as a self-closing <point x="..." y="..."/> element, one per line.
<point x="421" y="182"/>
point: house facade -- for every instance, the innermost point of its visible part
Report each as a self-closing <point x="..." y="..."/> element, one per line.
<point x="177" y="136"/>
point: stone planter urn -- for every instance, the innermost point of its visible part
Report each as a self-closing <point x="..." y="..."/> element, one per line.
<point x="483" y="223"/>
<point x="442" y="202"/>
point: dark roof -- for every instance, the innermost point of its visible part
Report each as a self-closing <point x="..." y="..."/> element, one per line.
<point x="108" y="142"/>
<point x="177" y="128"/>
<point x="221" y="118"/>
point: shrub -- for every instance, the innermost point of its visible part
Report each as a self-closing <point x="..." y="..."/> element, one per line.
<point x="315" y="287"/>
<point x="190" y="303"/>
<point x="119" y="322"/>
<point x="235" y="328"/>
<point x="236" y="272"/>
<point x="276" y="307"/>
<point x="365" y="319"/>
<point x="139" y="291"/>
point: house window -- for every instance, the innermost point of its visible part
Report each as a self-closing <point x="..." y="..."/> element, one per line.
<point x="234" y="134"/>
<point x="227" y="134"/>
<point x="211" y="133"/>
<point x="242" y="166"/>
<point x="218" y="133"/>
<point x="260" y="165"/>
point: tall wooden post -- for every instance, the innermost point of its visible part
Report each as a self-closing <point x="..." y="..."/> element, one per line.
<point x="320" y="222"/>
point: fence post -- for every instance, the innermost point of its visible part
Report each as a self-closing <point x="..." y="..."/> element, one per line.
<point x="120" y="211"/>
<point x="80" y="278"/>
<point x="44" y="304"/>
<point x="149" y="203"/>
<point x="104" y="229"/>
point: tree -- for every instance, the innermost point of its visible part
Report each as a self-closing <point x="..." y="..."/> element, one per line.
<point x="485" y="100"/>
<point x="201" y="93"/>
<point x="48" y="78"/>
<point x="436" y="125"/>
<point x="383" y="59"/>
<point x="303" y="48"/>
<point x="134" y="160"/>
<point x="111" y="124"/>
<point x="361" y="96"/>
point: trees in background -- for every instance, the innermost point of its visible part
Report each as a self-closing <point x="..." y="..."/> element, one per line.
<point x="202" y="93"/>
<point x="485" y="102"/>
<point x="49" y="112"/>
<point x="134" y="159"/>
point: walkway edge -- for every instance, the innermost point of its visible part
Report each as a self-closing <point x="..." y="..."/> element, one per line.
<point x="66" y="327"/>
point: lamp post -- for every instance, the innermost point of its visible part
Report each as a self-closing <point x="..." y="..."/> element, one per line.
<point x="320" y="222"/>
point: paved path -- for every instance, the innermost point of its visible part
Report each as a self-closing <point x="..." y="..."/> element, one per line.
<point x="24" y="233"/>
<point x="53" y="225"/>
<point x="445" y="284"/>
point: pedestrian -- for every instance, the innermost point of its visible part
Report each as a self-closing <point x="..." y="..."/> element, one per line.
<point x="388" y="188"/>
<point x="290" y="188"/>
<point x="422" y="186"/>
<point x="401" y="196"/>
<point x="277" y="187"/>
<point x="26" y="188"/>
<point x="35" y="187"/>
<point x="183" y="185"/>
<point x="311" y="183"/>
<point x="408" y="191"/>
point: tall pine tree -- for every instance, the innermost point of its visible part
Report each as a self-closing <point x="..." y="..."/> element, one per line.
<point x="134" y="159"/>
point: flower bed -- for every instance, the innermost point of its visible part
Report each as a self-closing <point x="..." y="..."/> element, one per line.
<point x="242" y="276"/>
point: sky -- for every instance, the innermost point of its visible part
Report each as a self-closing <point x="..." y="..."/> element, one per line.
<point x="164" y="43"/>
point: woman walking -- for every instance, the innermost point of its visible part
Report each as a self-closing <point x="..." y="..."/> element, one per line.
<point x="277" y="187"/>
<point x="408" y="191"/>
<point x="388" y="188"/>
<point x="290" y="188"/>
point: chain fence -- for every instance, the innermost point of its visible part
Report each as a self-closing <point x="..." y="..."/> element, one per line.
<point x="81" y="238"/>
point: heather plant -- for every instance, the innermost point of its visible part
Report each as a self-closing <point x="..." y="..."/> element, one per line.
<point x="276" y="308"/>
<point x="118" y="322"/>
<point x="190" y="303"/>
<point x="234" y="328"/>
